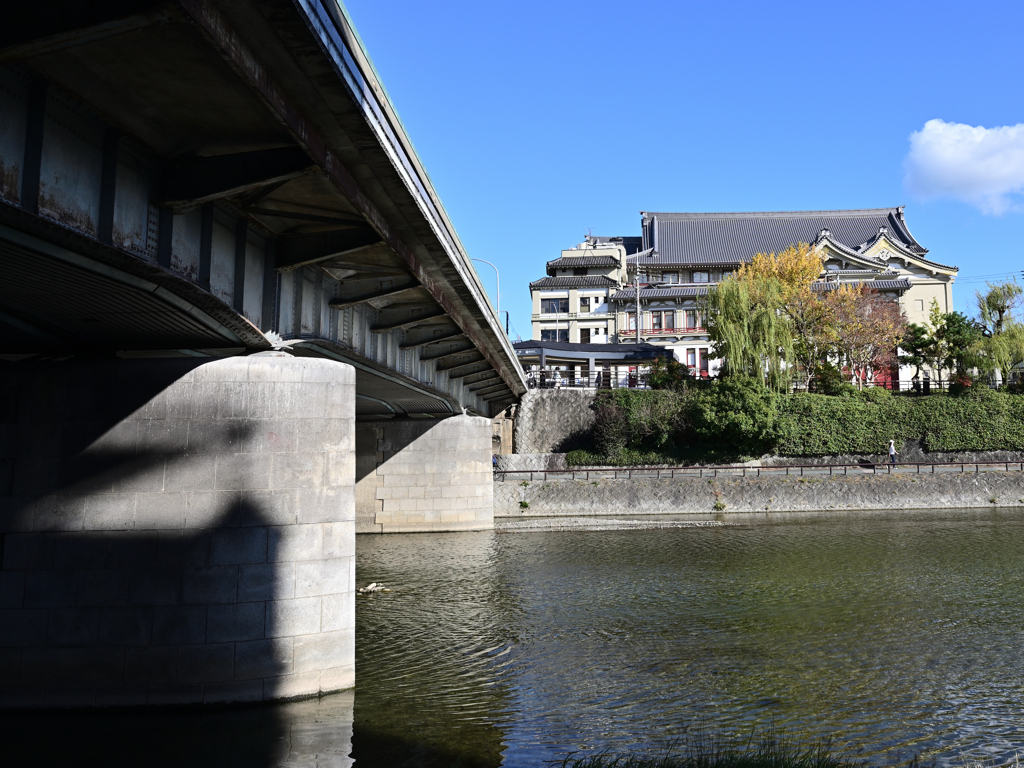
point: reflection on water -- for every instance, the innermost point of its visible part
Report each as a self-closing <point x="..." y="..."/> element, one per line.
<point x="894" y="633"/>
<point x="316" y="733"/>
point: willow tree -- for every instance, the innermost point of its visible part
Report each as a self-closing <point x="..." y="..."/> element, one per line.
<point x="996" y="305"/>
<point x="762" y="319"/>
<point x="1000" y="348"/>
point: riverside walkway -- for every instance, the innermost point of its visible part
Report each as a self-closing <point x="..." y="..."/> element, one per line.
<point x="788" y="470"/>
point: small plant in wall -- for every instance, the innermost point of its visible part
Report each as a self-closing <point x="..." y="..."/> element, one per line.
<point x="524" y="505"/>
<point x="719" y="505"/>
<point x="525" y="483"/>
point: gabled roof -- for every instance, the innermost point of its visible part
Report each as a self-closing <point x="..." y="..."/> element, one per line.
<point x="574" y="262"/>
<point x="733" y="238"/>
<point x="573" y="281"/>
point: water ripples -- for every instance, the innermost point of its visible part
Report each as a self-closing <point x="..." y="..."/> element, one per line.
<point x="893" y="634"/>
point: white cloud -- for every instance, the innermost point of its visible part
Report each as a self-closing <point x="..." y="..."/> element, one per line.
<point x="981" y="166"/>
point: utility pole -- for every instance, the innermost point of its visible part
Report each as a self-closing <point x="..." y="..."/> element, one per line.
<point x="637" y="280"/>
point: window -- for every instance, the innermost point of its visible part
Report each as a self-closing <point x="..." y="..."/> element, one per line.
<point x="579" y="270"/>
<point x="554" y="305"/>
<point x="691" y="318"/>
<point x="704" y="362"/>
<point x="584" y="303"/>
<point x="631" y="321"/>
<point x="919" y="305"/>
<point x="670" y="277"/>
<point x="691" y="358"/>
<point x="700" y="277"/>
<point x="552" y="334"/>
<point x="663" y="321"/>
<point x="584" y="335"/>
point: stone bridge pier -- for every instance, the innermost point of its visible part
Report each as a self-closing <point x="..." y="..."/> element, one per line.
<point x="176" y="531"/>
<point x="417" y="475"/>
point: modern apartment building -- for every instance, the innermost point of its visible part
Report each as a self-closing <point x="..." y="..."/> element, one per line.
<point x="571" y="303"/>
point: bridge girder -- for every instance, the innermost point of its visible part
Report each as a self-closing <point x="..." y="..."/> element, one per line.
<point x="269" y="208"/>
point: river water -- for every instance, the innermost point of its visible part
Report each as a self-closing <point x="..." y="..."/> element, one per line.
<point x="895" y="634"/>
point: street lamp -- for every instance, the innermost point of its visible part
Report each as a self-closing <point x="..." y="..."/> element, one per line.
<point x="497" y="287"/>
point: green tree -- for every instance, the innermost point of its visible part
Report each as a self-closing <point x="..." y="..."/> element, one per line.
<point x="956" y="339"/>
<point x="997" y="304"/>
<point x="668" y="374"/>
<point x="915" y="348"/>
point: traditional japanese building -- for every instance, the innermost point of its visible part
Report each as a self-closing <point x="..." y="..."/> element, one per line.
<point x="590" y="293"/>
<point x="683" y="254"/>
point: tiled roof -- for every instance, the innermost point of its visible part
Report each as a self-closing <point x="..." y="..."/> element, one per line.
<point x="629" y="294"/>
<point x="572" y="281"/>
<point x="879" y="285"/>
<point x="632" y="243"/>
<point x="572" y="262"/>
<point x="860" y="272"/>
<point x="733" y="238"/>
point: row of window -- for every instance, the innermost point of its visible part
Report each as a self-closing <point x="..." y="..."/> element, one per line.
<point x="550" y="306"/>
<point x="561" y="334"/>
<point x="712" y="276"/>
<point x="665" y="320"/>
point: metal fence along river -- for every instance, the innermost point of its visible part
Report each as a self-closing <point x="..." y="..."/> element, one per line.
<point x="786" y="470"/>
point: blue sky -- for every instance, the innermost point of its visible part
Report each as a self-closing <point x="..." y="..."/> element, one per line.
<point x="539" y="122"/>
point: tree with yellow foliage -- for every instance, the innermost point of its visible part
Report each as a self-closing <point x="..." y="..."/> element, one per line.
<point x="765" y="320"/>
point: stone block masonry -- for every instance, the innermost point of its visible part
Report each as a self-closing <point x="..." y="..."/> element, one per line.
<point x="417" y="475"/>
<point x="176" y="531"/>
<point x="554" y="420"/>
<point x="683" y="495"/>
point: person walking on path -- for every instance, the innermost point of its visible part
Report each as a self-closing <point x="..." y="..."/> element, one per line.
<point x="892" y="451"/>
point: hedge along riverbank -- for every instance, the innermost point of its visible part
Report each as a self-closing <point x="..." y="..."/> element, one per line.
<point x="739" y="420"/>
<point x="815" y="425"/>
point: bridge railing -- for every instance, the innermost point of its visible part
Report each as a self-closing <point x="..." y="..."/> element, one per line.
<point x="787" y="470"/>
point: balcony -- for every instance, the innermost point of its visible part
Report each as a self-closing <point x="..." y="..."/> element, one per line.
<point x="663" y="331"/>
<point x="553" y="316"/>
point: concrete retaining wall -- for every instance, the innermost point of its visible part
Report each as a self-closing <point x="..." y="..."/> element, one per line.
<point x="176" y="531"/>
<point x="424" y="475"/>
<point x="553" y="420"/>
<point x="751" y="494"/>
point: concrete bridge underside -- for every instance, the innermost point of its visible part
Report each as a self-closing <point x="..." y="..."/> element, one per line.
<point x="234" y="320"/>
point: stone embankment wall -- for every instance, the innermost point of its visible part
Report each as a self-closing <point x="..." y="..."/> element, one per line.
<point x="910" y="452"/>
<point x="862" y="491"/>
<point x="553" y="420"/>
<point x="531" y="462"/>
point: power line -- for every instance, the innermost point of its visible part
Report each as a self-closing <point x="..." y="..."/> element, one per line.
<point x="988" y="278"/>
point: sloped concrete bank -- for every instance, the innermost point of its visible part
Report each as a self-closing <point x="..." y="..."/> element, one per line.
<point x="683" y="495"/>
